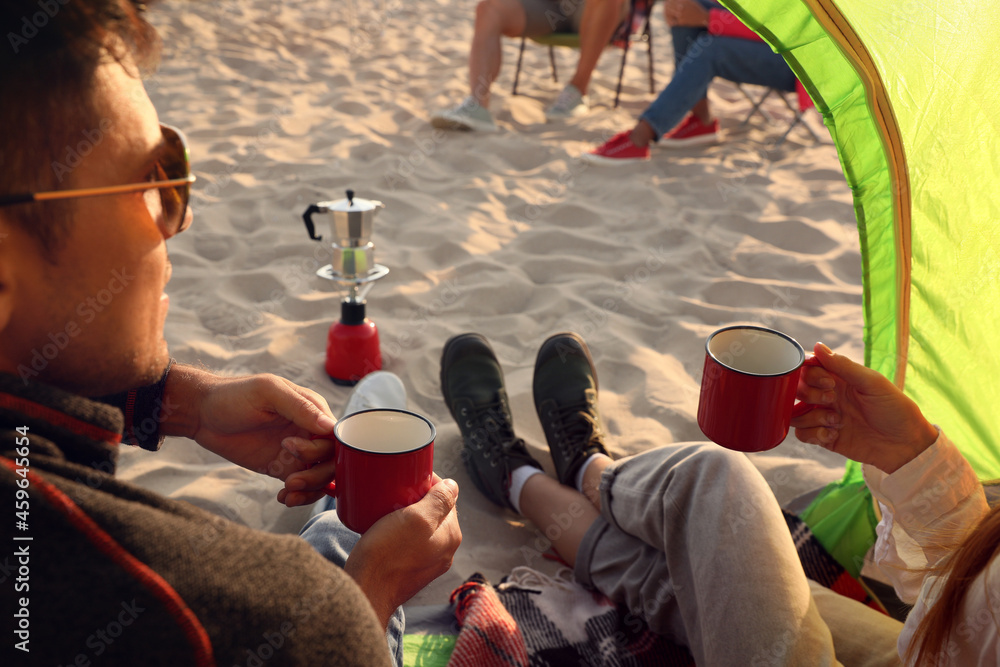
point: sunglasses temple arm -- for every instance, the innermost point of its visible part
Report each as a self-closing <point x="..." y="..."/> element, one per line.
<point x="9" y="200"/>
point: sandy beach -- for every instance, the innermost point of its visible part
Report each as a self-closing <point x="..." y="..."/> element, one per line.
<point x="510" y="234"/>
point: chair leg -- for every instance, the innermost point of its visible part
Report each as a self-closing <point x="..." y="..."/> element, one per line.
<point x="552" y="61"/>
<point x="628" y="42"/>
<point x="809" y="129"/>
<point x="797" y="120"/>
<point x="757" y="108"/>
<point x="517" y="70"/>
<point x="649" y="53"/>
<point x="621" y="73"/>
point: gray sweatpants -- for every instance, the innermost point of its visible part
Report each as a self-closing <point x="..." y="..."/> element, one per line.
<point x="692" y="540"/>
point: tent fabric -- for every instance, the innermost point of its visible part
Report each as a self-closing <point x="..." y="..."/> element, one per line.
<point x="909" y="93"/>
<point x="842" y="518"/>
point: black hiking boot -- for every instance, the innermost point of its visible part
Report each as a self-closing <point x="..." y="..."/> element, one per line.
<point x="565" y="390"/>
<point x="473" y="389"/>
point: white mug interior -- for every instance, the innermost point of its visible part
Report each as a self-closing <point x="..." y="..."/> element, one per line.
<point x="384" y="431"/>
<point x="755" y="351"/>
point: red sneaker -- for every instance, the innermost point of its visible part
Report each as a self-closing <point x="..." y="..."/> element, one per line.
<point x="619" y="149"/>
<point x="691" y="132"/>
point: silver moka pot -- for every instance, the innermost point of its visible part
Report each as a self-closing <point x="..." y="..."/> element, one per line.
<point x="352" y="252"/>
<point x="352" y="349"/>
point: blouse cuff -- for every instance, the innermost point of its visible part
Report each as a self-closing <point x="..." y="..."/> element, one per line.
<point x="938" y="479"/>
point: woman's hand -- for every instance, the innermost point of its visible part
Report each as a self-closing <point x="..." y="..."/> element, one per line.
<point x="859" y="414"/>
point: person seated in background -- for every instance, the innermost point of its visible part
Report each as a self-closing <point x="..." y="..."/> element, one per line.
<point x="78" y="378"/>
<point x="709" y="41"/>
<point x="594" y="20"/>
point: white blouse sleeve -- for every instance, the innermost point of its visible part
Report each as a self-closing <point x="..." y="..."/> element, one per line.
<point x="928" y="507"/>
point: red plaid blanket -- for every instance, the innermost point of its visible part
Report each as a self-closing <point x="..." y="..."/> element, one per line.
<point x="534" y="620"/>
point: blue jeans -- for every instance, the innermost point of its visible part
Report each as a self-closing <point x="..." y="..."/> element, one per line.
<point x="334" y="541"/>
<point x="700" y="57"/>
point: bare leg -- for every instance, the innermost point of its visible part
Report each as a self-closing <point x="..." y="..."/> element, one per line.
<point x="592" y="479"/>
<point x="701" y="111"/>
<point x="600" y="18"/>
<point x="642" y="135"/>
<point x="493" y="19"/>
<point x="561" y="513"/>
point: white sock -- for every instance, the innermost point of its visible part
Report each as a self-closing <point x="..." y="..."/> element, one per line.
<point x="582" y="470"/>
<point x="517" y="480"/>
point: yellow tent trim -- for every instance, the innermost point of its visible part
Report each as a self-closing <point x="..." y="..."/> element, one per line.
<point x="837" y="26"/>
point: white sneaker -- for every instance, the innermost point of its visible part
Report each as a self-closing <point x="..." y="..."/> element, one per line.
<point x="466" y="116"/>
<point x="570" y="104"/>
<point x="380" y="389"/>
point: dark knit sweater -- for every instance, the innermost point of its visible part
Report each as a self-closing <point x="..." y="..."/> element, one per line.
<point x="115" y="575"/>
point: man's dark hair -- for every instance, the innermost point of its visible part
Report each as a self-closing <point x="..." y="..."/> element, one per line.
<point x="50" y="52"/>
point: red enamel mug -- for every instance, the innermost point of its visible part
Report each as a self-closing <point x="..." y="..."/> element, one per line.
<point x="748" y="387"/>
<point x="385" y="461"/>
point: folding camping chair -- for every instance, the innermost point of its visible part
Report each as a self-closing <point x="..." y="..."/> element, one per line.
<point x="635" y="28"/>
<point x="802" y="104"/>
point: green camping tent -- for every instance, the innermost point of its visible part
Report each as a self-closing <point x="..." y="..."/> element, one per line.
<point x="910" y="94"/>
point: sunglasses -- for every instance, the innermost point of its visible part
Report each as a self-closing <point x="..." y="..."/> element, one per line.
<point x="173" y="180"/>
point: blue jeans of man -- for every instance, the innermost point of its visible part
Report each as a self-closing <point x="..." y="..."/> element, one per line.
<point x="700" y="57"/>
<point x="334" y="541"/>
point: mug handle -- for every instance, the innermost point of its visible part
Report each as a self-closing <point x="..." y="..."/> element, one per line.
<point x="801" y="407"/>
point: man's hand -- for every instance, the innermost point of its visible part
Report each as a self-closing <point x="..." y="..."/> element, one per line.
<point x="255" y="422"/>
<point x="685" y="14"/>
<point x="860" y="414"/>
<point x="407" y="549"/>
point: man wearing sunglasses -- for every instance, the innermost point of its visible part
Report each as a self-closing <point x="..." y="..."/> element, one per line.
<point x="93" y="568"/>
